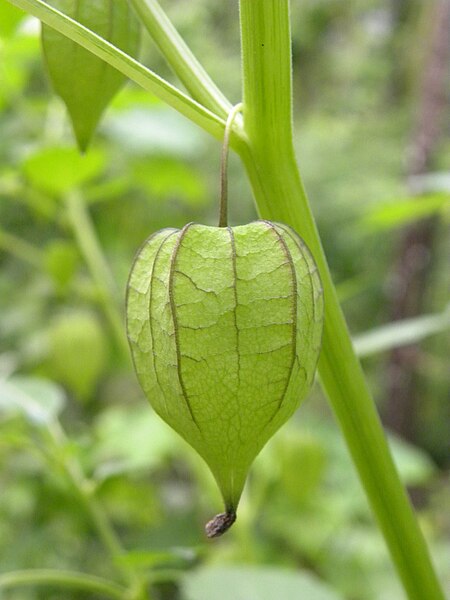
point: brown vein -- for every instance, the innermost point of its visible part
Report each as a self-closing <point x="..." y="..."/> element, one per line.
<point x="233" y="259"/>
<point x="150" y="316"/>
<point x="175" y="320"/>
<point x="294" y="310"/>
<point x="305" y="252"/>
<point x="297" y="241"/>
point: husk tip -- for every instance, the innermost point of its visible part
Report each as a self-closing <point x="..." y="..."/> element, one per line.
<point x="220" y="524"/>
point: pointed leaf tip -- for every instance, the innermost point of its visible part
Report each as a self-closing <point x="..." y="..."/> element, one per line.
<point x="86" y="83"/>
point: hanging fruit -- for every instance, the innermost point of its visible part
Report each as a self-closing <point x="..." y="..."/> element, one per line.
<point x="225" y="327"/>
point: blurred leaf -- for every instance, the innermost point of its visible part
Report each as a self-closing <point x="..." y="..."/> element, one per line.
<point x="20" y="249"/>
<point x="159" y="131"/>
<point x="400" y="333"/>
<point x="39" y="400"/>
<point x="431" y="182"/>
<point x="131" y="97"/>
<point x="58" y="170"/>
<point x="107" y="190"/>
<point x="360" y="564"/>
<point x="129" y="439"/>
<point x="349" y="288"/>
<point x="177" y="558"/>
<point x="17" y="55"/>
<point x="10" y="17"/>
<point x="414" y="465"/>
<point x="302" y="461"/>
<point x="131" y="502"/>
<point x="403" y="211"/>
<point x="253" y="583"/>
<point x="412" y="462"/>
<point x="8" y="364"/>
<point x="61" y="259"/>
<point x="169" y="179"/>
<point x="78" y="349"/>
<point x="9" y="182"/>
<point x="85" y="82"/>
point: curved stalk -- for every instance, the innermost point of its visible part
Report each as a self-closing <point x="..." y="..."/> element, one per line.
<point x="223" y="217"/>
<point x="63" y="579"/>
<point x="280" y="196"/>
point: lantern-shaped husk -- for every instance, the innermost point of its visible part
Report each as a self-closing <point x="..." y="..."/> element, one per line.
<point x="225" y="328"/>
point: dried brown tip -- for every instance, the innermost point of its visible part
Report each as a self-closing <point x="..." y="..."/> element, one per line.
<point x="221" y="523"/>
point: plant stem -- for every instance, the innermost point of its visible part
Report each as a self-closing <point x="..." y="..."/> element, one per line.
<point x="223" y="217"/>
<point x="124" y="63"/>
<point x="271" y="164"/>
<point x="92" y="252"/>
<point x="99" y="518"/>
<point x="21" y="249"/>
<point x="66" y="579"/>
<point x="179" y="56"/>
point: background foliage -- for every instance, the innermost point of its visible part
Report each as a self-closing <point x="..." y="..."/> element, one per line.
<point x="69" y="227"/>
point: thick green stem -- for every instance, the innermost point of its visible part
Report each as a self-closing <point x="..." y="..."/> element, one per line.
<point x="179" y="56"/>
<point x="124" y="63"/>
<point x="97" y="264"/>
<point x="63" y="579"/>
<point x="280" y="196"/>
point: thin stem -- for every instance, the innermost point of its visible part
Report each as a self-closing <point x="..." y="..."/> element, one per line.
<point x="97" y="264"/>
<point x="124" y="63"/>
<point x="223" y="218"/>
<point x="21" y="249"/>
<point x="280" y="195"/>
<point x="93" y="509"/>
<point x="65" y="579"/>
<point x="180" y="57"/>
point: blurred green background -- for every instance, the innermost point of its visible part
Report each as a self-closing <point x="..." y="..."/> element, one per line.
<point x="372" y="139"/>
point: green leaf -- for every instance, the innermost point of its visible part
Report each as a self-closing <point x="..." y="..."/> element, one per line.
<point x="225" y="327"/>
<point x="302" y="461"/>
<point x="176" y="558"/>
<point x="414" y="465"/>
<point x="131" y="439"/>
<point x="254" y="583"/>
<point x="170" y="179"/>
<point x="10" y="17"/>
<point x="56" y="171"/>
<point x="158" y="131"/>
<point x="16" y="58"/>
<point x="85" y="83"/>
